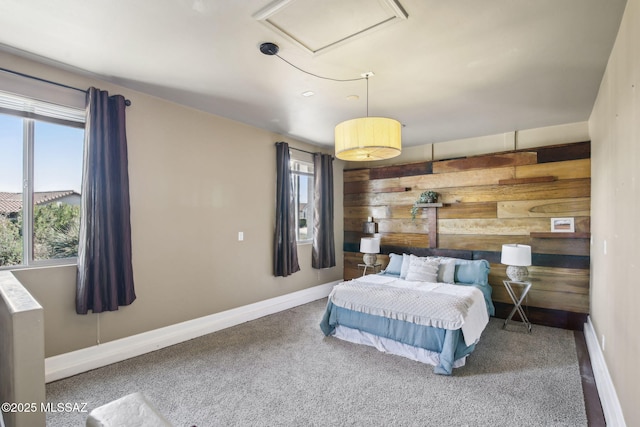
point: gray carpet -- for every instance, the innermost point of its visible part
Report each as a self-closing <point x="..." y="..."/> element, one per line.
<point x="281" y="371"/>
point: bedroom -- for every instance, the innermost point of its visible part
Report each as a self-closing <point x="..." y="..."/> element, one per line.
<point x="183" y="174"/>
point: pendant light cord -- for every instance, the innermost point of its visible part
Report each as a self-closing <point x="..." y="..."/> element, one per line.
<point x="367" y="77"/>
<point x="320" y="77"/>
<point x="271" y="49"/>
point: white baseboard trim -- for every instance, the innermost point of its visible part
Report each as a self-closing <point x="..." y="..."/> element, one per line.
<point x="608" y="397"/>
<point x="86" y="359"/>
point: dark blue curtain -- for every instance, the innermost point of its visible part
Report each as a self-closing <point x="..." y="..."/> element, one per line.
<point x="285" y="256"/>
<point x="105" y="273"/>
<point x="323" y="252"/>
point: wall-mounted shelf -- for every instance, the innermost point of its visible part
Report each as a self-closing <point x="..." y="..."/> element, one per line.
<point x="549" y="235"/>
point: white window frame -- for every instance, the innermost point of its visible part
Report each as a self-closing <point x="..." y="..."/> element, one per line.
<point x="32" y="110"/>
<point x="297" y="160"/>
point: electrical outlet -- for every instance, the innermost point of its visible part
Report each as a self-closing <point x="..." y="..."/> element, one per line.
<point x="602" y="342"/>
<point x="240" y="236"/>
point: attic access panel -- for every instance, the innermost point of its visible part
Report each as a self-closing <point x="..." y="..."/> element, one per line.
<point x="317" y="26"/>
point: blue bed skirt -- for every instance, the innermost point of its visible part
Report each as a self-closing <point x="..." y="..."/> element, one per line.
<point x="449" y="344"/>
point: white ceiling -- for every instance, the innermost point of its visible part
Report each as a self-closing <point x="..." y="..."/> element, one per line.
<point x="452" y="69"/>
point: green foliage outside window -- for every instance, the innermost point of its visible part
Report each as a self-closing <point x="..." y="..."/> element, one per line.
<point x="56" y="231"/>
<point x="10" y="242"/>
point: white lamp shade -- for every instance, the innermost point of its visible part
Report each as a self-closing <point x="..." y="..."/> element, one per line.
<point x="514" y="254"/>
<point x="369" y="245"/>
<point x="368" y="138"/>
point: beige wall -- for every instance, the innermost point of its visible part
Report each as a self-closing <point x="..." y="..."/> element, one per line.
<point x="196" y="180"/>
<point x="615" y="211"/>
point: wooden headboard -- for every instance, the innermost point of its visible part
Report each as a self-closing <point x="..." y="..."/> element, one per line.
<point x="452" y="253"/>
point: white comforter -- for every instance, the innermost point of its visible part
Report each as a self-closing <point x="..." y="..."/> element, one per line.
<point x="440" y="305"/>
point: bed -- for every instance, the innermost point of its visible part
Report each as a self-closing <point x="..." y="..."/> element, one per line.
<point x="429" y="309"/>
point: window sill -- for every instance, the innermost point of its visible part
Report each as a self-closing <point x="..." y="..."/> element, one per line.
<point x="43" y="264"/>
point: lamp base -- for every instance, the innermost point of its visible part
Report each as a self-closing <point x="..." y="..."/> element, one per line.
<point x="517" y="273"/>
<point x="370" y="259"/>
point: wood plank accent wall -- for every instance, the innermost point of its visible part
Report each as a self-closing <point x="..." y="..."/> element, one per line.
<point x="489" y="200"/>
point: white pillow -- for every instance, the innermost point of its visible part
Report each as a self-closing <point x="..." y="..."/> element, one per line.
<point x="405" y="266"/>
<point x="422" y="269"/>
<point x="446" y="270"/>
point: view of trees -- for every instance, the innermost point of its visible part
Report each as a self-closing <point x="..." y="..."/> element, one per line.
<point x="56" y="230"/>
<point x="10" y="242"/>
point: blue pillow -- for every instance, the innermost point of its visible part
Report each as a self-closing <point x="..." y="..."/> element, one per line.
<point x="475" y="271"/>
<point x="395" y="264"/>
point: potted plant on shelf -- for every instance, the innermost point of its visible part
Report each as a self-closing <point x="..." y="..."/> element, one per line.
<point x="428" y="196"/>
<point x="431" y="196"/>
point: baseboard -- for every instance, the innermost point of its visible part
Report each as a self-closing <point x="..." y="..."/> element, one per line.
<point x="606" y="390"/>
<point x="83" y="360"/>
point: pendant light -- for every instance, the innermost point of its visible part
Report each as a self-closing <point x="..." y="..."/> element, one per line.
<point x="362" y="139"/>
<point x="368" y="138"/>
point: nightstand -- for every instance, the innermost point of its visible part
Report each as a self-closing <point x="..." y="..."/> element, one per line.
<point x="374" y="267"/>
<point x="517" y="301"/>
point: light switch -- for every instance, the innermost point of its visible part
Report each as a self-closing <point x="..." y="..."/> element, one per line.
<point x="240" y="236"/>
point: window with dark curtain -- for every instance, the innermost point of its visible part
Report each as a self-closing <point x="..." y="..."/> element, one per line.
<point x="285" y="256"/>
<point x="324" y="253"/>
<point x="105" y="273"/>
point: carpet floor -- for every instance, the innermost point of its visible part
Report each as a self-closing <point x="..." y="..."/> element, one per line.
<point x="281" y="370"/>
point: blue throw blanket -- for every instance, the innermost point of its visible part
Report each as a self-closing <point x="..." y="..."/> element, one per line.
<point x="404" y="313"/>
<point x="449" y="344"/>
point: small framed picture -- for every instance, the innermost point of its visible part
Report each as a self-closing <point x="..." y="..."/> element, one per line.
<point x="562" y="225"/>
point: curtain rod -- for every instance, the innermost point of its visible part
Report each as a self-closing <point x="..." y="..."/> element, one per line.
<point x="126" y="101"/>
<point x="304" y="151"/>
<point x="299" y="149"/>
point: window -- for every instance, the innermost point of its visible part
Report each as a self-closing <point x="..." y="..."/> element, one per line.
<point x="302" y="177"/>
<point x="41" y="150"/>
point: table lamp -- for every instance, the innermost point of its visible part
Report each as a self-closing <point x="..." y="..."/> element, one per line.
<point x="370" y="246"/>
<point x="517" y="257"/>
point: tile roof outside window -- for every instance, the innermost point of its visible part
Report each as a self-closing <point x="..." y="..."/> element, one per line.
<point x="12" y="202"/>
